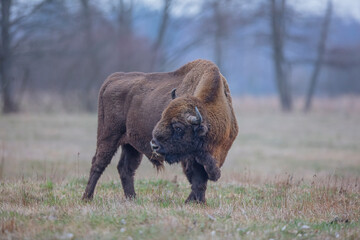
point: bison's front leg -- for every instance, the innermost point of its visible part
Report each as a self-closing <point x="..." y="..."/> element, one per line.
<point x="209" y="163"/>
<point x="198" y="178"/>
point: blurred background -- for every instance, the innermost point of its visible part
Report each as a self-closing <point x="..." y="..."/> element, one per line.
<point x="55" y="54"/>
<point x="282" y="58"/>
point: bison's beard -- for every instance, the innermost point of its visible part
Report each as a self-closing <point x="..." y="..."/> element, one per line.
<point x="169" y="157"/>
<point x="174" y="158"/>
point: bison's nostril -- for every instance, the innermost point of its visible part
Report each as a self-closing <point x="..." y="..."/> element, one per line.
<point x="153" y="145"/>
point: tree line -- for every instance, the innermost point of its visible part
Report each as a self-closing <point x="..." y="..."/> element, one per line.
<point x="69" y="47"/>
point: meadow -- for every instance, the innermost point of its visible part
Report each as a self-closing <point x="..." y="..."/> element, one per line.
<point x="287" y="176"/>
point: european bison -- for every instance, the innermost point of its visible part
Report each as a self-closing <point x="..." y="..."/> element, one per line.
<point x="182" y="116"/>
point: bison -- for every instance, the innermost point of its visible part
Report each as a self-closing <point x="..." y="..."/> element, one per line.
<point x="183" y="116"/>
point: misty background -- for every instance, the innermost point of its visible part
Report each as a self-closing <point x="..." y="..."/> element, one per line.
<point x="55" y="54"/>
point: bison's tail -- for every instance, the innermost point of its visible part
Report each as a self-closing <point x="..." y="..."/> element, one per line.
<point x="101" y="114"/>
<point x="101" y="110"/>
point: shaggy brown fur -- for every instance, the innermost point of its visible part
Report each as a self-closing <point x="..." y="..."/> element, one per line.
<point x="131" y="104"/>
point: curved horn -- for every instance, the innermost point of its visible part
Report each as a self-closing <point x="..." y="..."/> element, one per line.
<point x="173" y="93"/>
<point x="195" y="120"/>
<point x="198" y="115"/>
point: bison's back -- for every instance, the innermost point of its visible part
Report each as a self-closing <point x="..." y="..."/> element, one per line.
<point x="130" y="104"/>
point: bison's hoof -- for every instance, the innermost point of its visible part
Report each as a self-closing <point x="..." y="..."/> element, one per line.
<point x="86" y="198"/>
<point x="214" y="174"/>
<point x="130" y="196"/>
<point x="194" y="199"/>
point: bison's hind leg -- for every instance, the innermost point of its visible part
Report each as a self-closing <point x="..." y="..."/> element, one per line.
<point x="129" y="161"/>
<point x="105" y="150"/>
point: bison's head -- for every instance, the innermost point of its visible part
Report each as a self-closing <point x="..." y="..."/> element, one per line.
<point x="181" y="130"/>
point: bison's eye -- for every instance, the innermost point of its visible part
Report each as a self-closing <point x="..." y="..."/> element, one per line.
<point x="178" y="128"/>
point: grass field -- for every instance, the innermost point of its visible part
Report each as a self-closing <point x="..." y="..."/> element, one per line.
<point x="287" y="176"/>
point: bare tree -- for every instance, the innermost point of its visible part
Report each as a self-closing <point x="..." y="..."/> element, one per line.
<point x="219" y="19"/>
<point x="320" y="56"/>
<point x="277" y="20"/>
<point x="125" y="12"/>
<point x="161" y="32"/>
<point x="6" y="58"/>
<point x="9" y="29"/>
<point x="219" y="33"/>
<point x="91" y="55"/>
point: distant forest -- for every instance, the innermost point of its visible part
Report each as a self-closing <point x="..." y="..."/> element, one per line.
<point x="64" y="49"/>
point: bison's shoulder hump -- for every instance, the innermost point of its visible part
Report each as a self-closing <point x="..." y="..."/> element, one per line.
<point x="200" y="64"/>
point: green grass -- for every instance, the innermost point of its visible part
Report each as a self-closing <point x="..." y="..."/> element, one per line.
<point x="45" y="210"/>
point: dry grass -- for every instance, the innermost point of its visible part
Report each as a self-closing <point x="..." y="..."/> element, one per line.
<point x="287" y="176"/>
<point x="43" y="210"/>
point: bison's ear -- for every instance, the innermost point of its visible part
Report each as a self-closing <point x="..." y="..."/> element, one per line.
<point x="173" y="93"/>
<point x="200" y="130"/>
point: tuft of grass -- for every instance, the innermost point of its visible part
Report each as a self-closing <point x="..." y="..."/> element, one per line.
<point x="48" y="185"/>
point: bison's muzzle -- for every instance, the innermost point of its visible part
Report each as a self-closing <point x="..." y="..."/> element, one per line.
<point x="159" y="151"/>
<point x="155" y="147"/>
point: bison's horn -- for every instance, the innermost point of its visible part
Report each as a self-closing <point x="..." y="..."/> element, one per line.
<point x="198" y="115"/>
<point x="173" y="93"/>
<point x="195" y="120"/>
